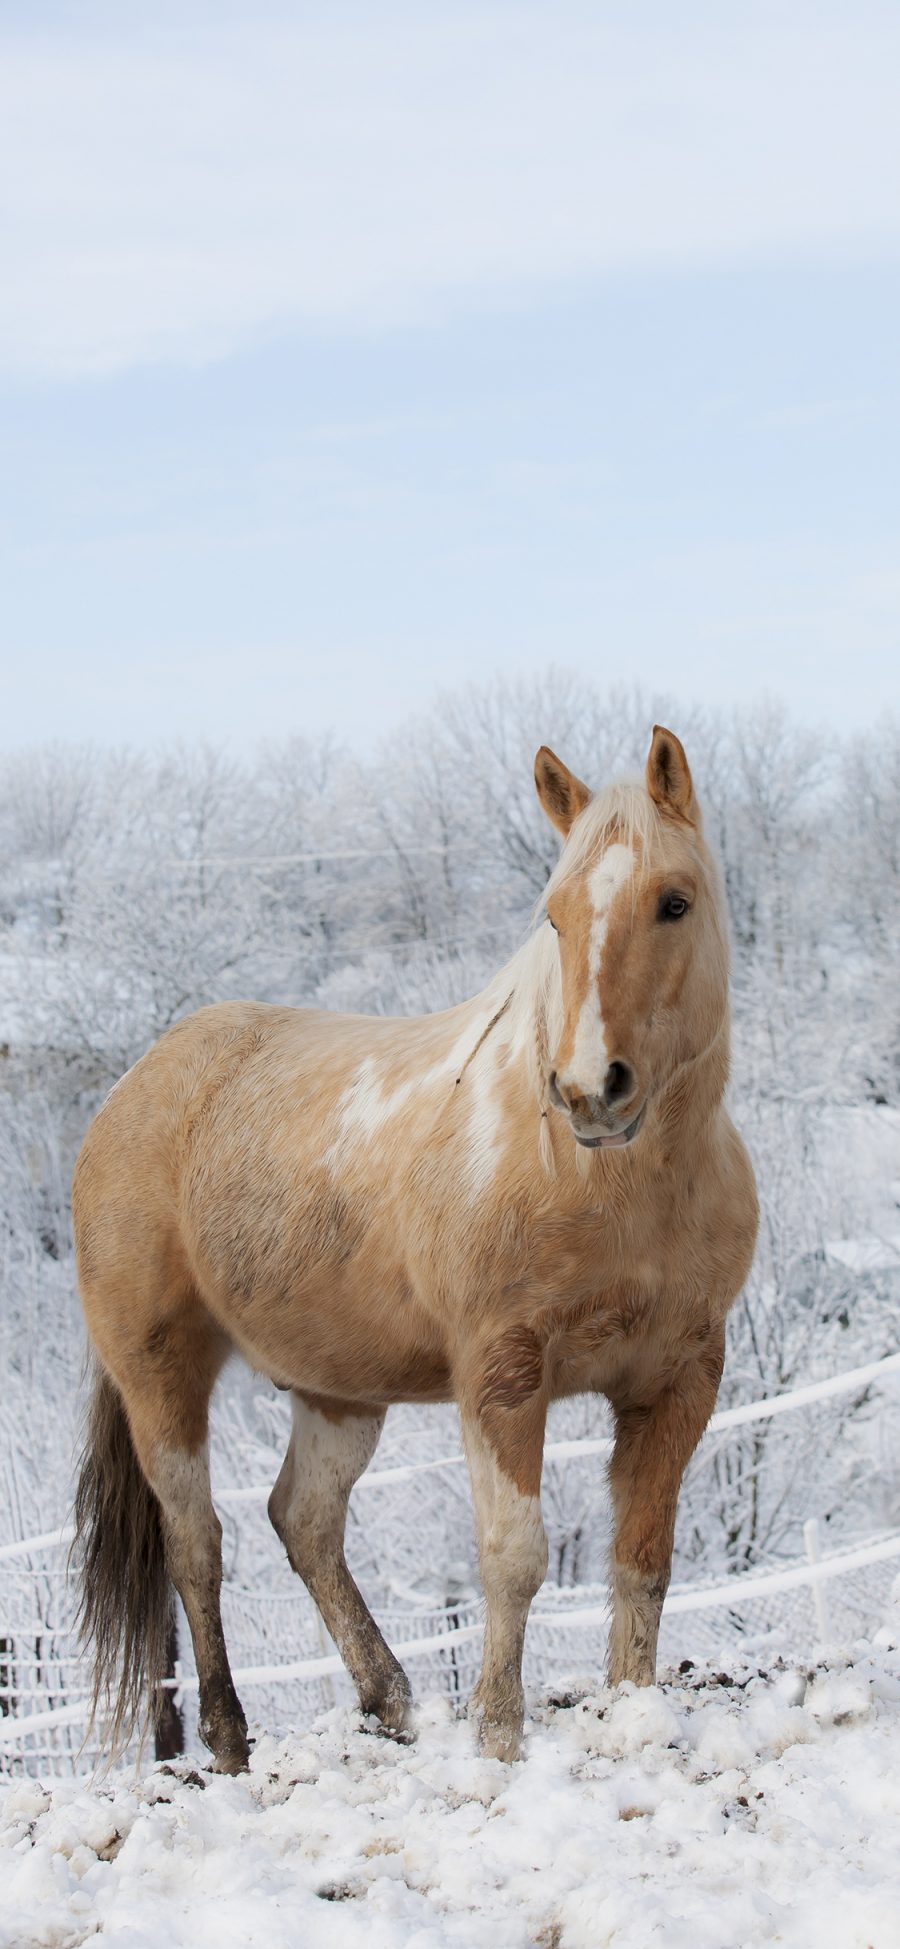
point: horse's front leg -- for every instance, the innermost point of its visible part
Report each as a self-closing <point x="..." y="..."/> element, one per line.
<point x="652" y="1448"/>
<point x="503" y="1411"/>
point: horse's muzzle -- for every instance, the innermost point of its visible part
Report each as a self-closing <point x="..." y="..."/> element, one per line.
<point x="593" y="1118"/>
<point x="611" y="1140"/>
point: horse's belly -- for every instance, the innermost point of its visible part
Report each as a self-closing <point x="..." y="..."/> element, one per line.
<point x="343" y="1351"/>
<point x="312" y="1294"/>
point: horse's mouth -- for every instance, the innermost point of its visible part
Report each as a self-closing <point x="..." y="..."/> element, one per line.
<point x="616" y="1141"/>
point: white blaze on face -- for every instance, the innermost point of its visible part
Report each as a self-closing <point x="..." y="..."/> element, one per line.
<point x="587" y="1066"/>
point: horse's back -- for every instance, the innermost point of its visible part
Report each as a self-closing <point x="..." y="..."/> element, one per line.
<point x="222" y="1068"/>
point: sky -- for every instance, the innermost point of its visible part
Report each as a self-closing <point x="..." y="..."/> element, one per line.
<point x="352" y="353"/>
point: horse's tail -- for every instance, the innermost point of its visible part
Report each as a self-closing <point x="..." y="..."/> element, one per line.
<point x="125" y="1598"/>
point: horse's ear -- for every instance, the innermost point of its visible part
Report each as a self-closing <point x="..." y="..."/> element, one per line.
<point x="669" y="781"/>
<point x="562" y="795"/>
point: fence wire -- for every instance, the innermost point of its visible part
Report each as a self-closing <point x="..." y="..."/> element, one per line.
<point x="44" y="1677"/>
<point x="288" y="1670"/>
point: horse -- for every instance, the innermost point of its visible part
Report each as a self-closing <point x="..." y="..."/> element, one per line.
<point x="535" y="1194"/>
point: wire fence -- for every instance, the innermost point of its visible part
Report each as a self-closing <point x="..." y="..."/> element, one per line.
<point x="44" y="1678"/>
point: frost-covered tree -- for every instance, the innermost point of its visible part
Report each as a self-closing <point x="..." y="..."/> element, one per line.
<point x="136" y="888"/>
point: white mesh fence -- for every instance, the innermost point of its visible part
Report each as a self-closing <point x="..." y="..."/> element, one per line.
<point x="287" y="1669"/>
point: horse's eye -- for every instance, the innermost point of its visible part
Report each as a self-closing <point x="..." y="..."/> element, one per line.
<point x="672" y="906"/>
<point x="553" y="924"/>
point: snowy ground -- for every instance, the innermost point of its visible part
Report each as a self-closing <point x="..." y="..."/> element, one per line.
<point x="721" y="1809"/>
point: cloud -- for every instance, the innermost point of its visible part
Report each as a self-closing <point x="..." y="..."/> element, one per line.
<point x="175" y="192"/>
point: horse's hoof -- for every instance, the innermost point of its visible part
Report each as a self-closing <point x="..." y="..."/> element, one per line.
<point x="635" y="1671"/>
<point x="396" y="1709"/>
<point x="499" y="1735"/>
<point x="499" y="1742"/>
<point x="232" y="1759"/>
<point x="230" y="1749"/>
<point x="392" y="1706"/>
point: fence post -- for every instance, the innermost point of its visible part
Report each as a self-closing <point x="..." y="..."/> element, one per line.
<point x="812" y="1545"/>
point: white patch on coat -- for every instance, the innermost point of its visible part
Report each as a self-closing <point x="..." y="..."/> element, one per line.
<point x="485" y="1128"/>
<point x="589" y="1061"/>
<point x="323" y="1461"/>
<point x="367" y="1106"/>
<point x="181" y="1481"/>
<point x="371" y="1100"/>
<point x="512" y="1541"/>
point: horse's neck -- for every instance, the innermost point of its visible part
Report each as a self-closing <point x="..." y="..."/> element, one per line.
<point x="692" y="1099"/>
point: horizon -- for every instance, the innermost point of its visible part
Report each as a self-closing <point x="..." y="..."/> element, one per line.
<point x="678" y="714"/>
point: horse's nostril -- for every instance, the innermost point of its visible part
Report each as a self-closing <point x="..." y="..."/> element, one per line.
<point x="553" y="1079"/>
<point x="619" y="1082"/>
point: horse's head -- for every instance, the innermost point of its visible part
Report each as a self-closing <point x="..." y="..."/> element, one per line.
<point x="636" y="903"/>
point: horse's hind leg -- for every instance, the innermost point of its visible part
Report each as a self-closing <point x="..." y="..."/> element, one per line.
<point x="168" y="1407"/>
<point x="330" y="1446"/>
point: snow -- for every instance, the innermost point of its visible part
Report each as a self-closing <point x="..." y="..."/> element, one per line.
<point x="862" y="1143"/>
<point x="865" y="1254"/>
<point x="719" y="1810"/>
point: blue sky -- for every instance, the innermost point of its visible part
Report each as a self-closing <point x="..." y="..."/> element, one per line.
<point x="350" y="354"/>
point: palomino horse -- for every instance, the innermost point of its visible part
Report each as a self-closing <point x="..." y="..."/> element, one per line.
<point x="528" y="1196"/>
